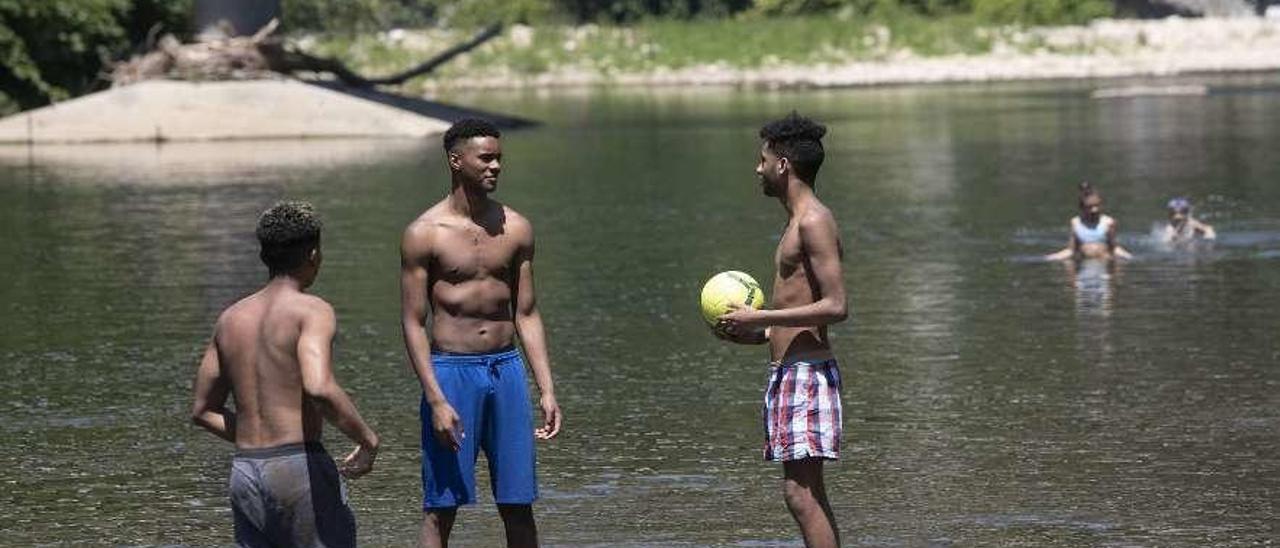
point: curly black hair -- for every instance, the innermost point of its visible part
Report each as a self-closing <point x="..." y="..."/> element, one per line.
<point x="287" y="231"/>
<point x="799" y="140"/>
<point x="467" y="128"/>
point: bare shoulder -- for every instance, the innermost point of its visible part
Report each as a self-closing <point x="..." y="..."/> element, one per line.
<point x="419" y="231"/>
<point x="310" y="310"/>
<point x="818" y="219"/>
<point x="239" y="312"/>
<point x="429" y="219"/>
<point x="518" y="224"/>
<point x="314" y="306"/>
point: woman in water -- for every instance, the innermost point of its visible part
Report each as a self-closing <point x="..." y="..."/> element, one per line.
<point x="1093" y="235"/>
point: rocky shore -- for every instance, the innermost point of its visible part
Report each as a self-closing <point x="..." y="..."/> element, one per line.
<point x="1103" y="49"/>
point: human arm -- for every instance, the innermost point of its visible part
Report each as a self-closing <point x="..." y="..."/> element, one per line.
<point x="822" y="250"/>
<point x="1206" y="231"/>
<point x="315" y="354"/>
<point x="1062" y="255"/>
<point x="1115" y="247"/>
<point x="208" y="410"/>
<point x="528" y="322"/>
<point x="1066" y="252"/>
<point x="415" y="251"/>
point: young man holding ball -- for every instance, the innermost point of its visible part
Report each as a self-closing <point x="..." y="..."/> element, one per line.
<point x="802" y="402"/>
<point x="468" y="260"/>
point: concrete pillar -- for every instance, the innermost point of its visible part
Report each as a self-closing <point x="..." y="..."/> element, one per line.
<point x="245" y="16"/>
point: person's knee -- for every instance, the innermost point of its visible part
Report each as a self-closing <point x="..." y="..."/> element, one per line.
<point x="439" y="518"/>
<point x="799" y="497"/>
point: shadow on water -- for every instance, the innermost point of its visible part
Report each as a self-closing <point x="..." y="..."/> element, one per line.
<point x="433" y="109"/>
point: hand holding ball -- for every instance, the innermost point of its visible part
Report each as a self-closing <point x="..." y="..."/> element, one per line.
<point x="726" y="289"/>
<point x="723" y="293"/>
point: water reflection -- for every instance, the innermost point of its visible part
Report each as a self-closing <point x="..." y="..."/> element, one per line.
<point x="205" y="163"/>
<point x="989" y="402"/>
<point x="1094" y="281"/>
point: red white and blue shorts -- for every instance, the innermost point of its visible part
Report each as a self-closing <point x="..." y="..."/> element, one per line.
<point x="802" y="411"/>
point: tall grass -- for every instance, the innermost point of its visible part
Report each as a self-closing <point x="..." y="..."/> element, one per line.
<point x="741" y="42"/>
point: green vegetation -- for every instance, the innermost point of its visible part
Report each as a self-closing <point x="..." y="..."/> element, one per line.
<point x="610" y="36"/>
<point x="1042" y="12"/>
<point x="53" y="49"/>
<point x="350" y="16"/>
<point x="669" y="44"/>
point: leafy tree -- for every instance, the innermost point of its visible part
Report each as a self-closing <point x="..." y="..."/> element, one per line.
<point x="1042" y="12"/>
<point x="631" y="10"/>
<point x="54" y="49"/>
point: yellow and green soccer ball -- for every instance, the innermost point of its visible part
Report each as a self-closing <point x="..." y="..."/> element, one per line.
<point x="728" y="288"/>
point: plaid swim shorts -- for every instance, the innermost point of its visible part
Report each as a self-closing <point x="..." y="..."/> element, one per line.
<point x="802" y="411"/>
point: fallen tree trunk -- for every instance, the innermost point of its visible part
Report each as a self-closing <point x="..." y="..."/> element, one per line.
<point x="440" y="58"/>
<point x="263" y="55"/>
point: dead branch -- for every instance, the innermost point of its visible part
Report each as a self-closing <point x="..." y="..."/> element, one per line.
<point x="259" y="56"/>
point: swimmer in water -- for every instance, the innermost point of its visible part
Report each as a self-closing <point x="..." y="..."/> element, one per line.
<point x="1093" y="235"/>
<point x="1182" y="227"/>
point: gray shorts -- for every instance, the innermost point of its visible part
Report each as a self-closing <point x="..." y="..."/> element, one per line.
<point x="290" y="495"/>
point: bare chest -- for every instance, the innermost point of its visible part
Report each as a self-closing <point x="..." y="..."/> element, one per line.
<point x="469" y="253"/>
<point x="789" y="257"/>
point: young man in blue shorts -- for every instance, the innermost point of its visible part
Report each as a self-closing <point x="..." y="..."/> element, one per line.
<point x="468" y="261"/>
<point x="802" y="401"/>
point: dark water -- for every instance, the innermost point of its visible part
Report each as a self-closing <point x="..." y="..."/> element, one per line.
<point x="990" y="399"/>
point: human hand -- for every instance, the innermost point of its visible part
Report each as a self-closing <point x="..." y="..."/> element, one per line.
<point x="359" y="462"/>
<point x="447" y="426"/>
<point x="741" y="324"/>
<point x="750" y="336"/>
<point x="551" y="418"/>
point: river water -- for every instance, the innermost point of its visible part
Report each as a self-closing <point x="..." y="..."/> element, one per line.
<point x="991" y="399"/>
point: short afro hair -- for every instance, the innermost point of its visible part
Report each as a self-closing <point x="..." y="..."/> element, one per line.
<point x="467" y="128"/>
<point x="799" y="140"/>
<point x="287" y="231"/>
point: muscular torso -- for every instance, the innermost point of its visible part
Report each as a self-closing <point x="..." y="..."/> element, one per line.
<point x="793" y="285"/>
<point x="257" y="340"/>
<point x="471" y="276"/>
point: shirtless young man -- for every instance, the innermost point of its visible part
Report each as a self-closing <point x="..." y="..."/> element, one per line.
<point x="802" y="402"/>
<point x="468" y="260"/>
<point x="271" y="351"/>
<point x="1093" y="234"/>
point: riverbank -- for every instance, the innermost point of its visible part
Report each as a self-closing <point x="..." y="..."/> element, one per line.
<point x="835" y="52"/>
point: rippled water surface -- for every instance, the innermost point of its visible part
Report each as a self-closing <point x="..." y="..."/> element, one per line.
<point x="990" y="398"/>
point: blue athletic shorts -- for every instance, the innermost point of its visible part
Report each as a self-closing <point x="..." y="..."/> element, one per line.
<point x="489" y="393"/>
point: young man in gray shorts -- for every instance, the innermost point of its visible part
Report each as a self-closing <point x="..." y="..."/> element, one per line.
<point x="271" y="351"/>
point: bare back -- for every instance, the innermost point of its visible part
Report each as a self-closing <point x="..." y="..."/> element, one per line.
<point x="258" y="342"/>
<point x="810" y="237"/>
<point x="471" y="268"/>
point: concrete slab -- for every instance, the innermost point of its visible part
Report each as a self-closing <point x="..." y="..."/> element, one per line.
<point x="164" y="110"/>
<point x="210" y="163"/>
